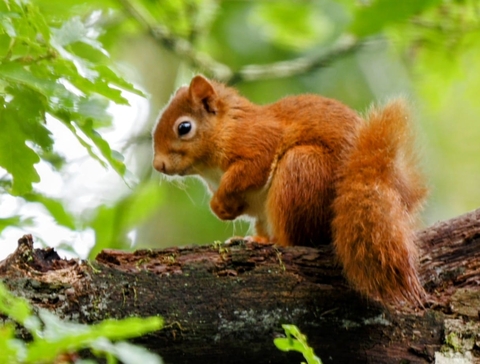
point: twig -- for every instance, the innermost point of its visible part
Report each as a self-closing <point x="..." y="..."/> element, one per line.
<point x="295" y="66"/>
<point x="224" y="73"/>
<point x="178" y="45"/>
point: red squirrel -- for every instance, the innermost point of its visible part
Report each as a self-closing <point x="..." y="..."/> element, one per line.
<point x="308" y="170"/>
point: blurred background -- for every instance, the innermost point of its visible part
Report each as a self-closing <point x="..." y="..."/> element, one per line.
<point x="359" y="52"/>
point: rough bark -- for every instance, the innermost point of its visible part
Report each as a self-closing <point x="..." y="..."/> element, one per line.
<point x="226" y="303"/>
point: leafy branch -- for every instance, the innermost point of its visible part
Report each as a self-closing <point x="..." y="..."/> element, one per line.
<point x="51" y="73"/>
<point x="223" y="72"/>
<point x="296" y="66"/>
<point x="178" y="45"/>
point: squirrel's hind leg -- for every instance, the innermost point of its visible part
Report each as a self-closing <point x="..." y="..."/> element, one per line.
<point x="300" y="197"/>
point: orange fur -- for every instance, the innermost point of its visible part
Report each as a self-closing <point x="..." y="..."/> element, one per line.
<point x="309" y="171"/>
<point x="378" y="190"/>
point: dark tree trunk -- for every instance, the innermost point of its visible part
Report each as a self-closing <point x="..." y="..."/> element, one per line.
<point x="226" y="304"/>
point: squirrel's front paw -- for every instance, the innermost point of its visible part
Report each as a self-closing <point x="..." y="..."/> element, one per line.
<point x="227" y="209"/>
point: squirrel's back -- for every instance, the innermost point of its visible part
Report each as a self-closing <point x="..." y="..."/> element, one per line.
<point x="317" y="131"/>
<point x="313" y="119"/>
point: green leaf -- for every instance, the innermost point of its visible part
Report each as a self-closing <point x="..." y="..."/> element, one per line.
<point x="55" y="208"/>
<point x="103" y="147"/>
<point x="114" y="79"/>
<point x="127" y="353"/>
<point x="10" y="221"/>
<point x="15" y="156"/>
<point x="378" y="14"/>
<point x="86" y="76"/>
<point x="43" y="70"/>
<point x="32" y="118"/>
<point x="95" y="108"/>
<point x="16" y="220"/>
<point x="100" y="84"/>
<point x="292" y="24"/>
<point x="10" y="348"/>
<point x="53" y="336"/>
<point x="61" y="336"/>
<point x="6" y="23"/>
<point x="65" y="117"/>
<point x="14" y="72"/>
<point x="17" y="309"/>
<point x="72" y="31"/>
<point x="141" y="204"/>
<point x="105" y="225"/>
<point x="296" y="341"/>
<point x="37" y="20"/>
<point x="112" y="223"/>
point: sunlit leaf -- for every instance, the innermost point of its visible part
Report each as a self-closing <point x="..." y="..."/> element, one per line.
<point x="142" y="203"/>
<point x="14" y="221"/>
<point x="96" y="109"/>
<point x="375" y="15"/>
<point x="103" y="147"/>
<point x="55" y="208"/>
<point x="66" y="118"/>
<point x="74" y="30"/>
<point x="296" y="341"/>
<point x="114" y="79"/>
<point x="16" y="72"/>
<point x="60" y="336"/>
<point x="41" y="74"/>
<point x="32" y="118"/>
<point x="6" y="23"/>
<point x="37" y="20"/>
<point x="128" y="353"/>
<point x="15" y="308"/>
<point x="111" y="223"/>
<point x="15" y="156"/>
<point x="12" y="349"/>
<point x="292" y="24"/>
<point x="53" y="336"/>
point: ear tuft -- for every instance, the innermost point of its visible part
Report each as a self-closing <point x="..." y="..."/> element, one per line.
<point x="202" y="92"/>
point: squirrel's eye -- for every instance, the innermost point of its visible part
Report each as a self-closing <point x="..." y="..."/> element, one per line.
<point x="184" y="128"/>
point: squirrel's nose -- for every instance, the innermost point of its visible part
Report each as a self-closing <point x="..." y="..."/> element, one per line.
<point x="159" y="164"/>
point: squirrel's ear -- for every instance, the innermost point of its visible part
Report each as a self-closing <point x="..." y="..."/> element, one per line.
<point x="202" y="92"/>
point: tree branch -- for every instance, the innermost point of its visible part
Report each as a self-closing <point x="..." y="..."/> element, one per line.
<point x="177" y="45"/>
<point x="222" y="72"/>
<point x="229" y="301"/>
<point x="296" y="66"/>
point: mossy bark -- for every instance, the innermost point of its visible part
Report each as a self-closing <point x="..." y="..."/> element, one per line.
<point x="226" y="303"/>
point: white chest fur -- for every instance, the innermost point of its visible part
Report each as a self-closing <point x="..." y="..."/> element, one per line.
<point x="256" y="199"/>
<point x="212" y="177"/>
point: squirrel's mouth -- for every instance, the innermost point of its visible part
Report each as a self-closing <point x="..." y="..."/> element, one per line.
<point x="167" y="164"/>
<point x="181" y="173"/>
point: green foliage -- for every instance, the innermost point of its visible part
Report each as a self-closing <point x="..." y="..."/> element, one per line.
<point x="55" y="208"/>
<point x="294" y="25"/>
<point x="379" y="14"/>
<point x="48" y="73"/>
<point x="112" y="223"/>
<point x="52" y="337"/>
<point x="52" y="69"/>
<point x="296" y="341"/>
<point x="184" y="18"/>
<point x="15" y="220"/>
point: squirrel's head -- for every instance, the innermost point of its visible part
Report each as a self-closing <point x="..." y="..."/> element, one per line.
<point x="183" y="137"/>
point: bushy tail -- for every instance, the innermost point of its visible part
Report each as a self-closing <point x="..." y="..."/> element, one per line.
<point x="379" y="190"/>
